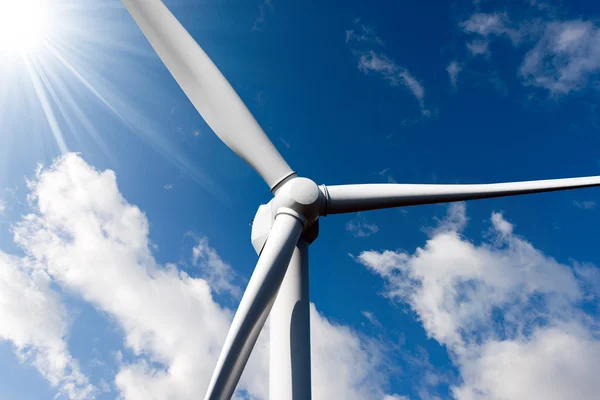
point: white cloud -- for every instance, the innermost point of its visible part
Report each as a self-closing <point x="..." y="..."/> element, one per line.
<point x="2" y="206"/>
<point x="92" y="242"/>
<point x="287" y="144"/>
<point x="496" y="24"/>
<point x="455" y="220"/>
<point x="215" y="271"/>
<point x="453" y="70"/>
<point x="345" y="365"/>
<point x="562" y="57"/>
<point x="394" y="74"/>
<point x="507" y="313"/>
<point x="565" y="59"/>
<point x="266" y="6"/>
<point x="360" y="228"/>
<point x="478" y="47"/>
<point x="371" y="318"/>
<point x="385" y="173"/>
<point x="395" y="397"/>
<point x="34" y="320"/>
<point x="585" y="205"/>
<point x="502" y="226"/>
<point x="552" y="364"/>
<point x="363" y="34"/>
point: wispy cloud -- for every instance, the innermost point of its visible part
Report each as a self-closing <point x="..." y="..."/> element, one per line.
<point x="565" y="59"/>
<point x="219" y="274"/>
<point x="585" y="205"/>
<point x="360" y="228"/>
<point x="287" y="144"/>
<point x="394" y="74"/>
<point x="264" y="8"/>
<point x="385" y="174"/>
<point x="563" y="56"/>
<point x="363" y="39"/>
<point x="260" y="98"/>
<point x="168" y="186"/>
<point x="2" y="207"/>
<point x="371" y="318"/>
<point x="363" y="34"/>
<point x="453" y="70"/>
<point x="495" y="24"/>
<point x="478" y="47"/>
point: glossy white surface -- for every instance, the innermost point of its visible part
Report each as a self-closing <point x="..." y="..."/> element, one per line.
<point x="289" y="360"/>
<point x="255" y="306"/>
<point x="354" y="198"/>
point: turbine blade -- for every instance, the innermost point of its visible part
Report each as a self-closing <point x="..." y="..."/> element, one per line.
<point x="353" y="198"/>
<point x="208" y="90"/>
<point x="255" y="306"/>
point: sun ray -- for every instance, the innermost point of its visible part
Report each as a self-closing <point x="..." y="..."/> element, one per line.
<point x="115" y="101"/>
<point x="46" y="106"/>
<point x="63" y="68"/>
<point x="79" y="115"/>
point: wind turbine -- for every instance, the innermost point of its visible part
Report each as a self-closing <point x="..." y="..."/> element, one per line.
<point x="283" y="228"/>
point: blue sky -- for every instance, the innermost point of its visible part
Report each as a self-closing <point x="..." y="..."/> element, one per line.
<point x="124" y="221"/>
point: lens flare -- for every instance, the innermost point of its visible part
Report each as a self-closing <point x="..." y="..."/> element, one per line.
<point x="24" y="25"/>
<point x="67" y="71"/>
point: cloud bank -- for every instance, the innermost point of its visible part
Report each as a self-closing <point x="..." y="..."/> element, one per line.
<point x="511" y="317"/>
<point x="83" y="236"/>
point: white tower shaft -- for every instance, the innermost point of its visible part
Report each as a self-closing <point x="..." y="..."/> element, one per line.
<point x="290" y="367"/>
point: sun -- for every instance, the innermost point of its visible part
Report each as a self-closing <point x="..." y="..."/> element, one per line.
<point x="25" y="25"/>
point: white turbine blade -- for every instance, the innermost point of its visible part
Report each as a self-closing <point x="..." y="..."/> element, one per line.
<point x="255" y="306"/>
<point x="208" y="90"/>
<point x="353" y="198"/>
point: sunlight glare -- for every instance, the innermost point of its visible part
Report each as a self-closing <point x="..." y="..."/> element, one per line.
<point x="24" y="25"/>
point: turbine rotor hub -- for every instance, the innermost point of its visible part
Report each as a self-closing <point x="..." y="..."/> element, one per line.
<point x="298" y="197"/>
<point x="301" y="198"/>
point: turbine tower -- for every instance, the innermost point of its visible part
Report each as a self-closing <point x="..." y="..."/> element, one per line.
<point x="284" y="228"/>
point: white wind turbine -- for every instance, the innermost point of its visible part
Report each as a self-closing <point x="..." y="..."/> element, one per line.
<point x="283" y="228"/>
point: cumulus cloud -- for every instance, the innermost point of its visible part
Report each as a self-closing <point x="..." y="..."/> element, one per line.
<point x="94" y="243"/>
<point x="562" y="56"/>
<point x="553" y="363"/>
<point x="84" y="236"/>
<point x="508" y="314"/>
<point x="565" y="59"/>
<point x="345" y="365"/>
<point x="35" y="321"/>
